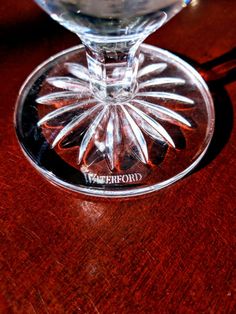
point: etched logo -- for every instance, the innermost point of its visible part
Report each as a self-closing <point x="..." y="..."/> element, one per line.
<point x="92" y="178"/>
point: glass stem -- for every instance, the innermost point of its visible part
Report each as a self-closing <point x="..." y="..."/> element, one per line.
<point x="113" y="69"/>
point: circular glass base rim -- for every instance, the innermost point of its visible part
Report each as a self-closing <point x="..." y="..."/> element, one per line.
<point x="96" y="192"/>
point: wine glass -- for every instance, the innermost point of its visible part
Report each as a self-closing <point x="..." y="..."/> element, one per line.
<point x="114" y="117"/>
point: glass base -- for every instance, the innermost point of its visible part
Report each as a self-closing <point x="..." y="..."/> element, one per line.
<point x="116" y="148"/>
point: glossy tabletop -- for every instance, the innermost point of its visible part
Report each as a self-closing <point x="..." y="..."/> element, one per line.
<point x="168" y="252"/>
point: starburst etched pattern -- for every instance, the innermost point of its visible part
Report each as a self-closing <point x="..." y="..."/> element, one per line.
<point x="87" y="123"/>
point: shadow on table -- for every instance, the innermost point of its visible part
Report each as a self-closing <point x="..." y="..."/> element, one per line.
<point x="217" y="73"/>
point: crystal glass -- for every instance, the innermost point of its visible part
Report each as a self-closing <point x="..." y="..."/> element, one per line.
<point x="114" y="117"/>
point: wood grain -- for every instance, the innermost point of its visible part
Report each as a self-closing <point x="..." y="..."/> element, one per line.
<point x="169" y="252"/>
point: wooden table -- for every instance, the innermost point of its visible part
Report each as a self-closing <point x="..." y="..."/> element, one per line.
<point x="169" y="252"/>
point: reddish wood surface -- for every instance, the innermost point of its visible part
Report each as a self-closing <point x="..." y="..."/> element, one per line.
<point x="169" y="252"/>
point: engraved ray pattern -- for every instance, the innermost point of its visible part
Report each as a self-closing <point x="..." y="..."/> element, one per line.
<point x="154" y="124"/>
<point x="163" y="111"/>
<point x="67" y="83"/>
<point x="57" y="98"/>
<point x="58" y="112"/>
<point x="113" y="138"/>
<point x="137" y="135"/>
<point x="171" y="96"/>
<point x="138" y="116"/>
<point x="78" y="71"/>
<point x="89" y="134"/>
<point x="74" y="123"/>
<point x="157" y="68"/>
<point x="162" y="81"/>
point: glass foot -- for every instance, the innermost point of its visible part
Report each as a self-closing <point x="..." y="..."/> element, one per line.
<point x="114" y="148"/>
